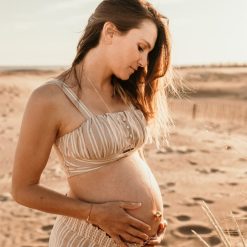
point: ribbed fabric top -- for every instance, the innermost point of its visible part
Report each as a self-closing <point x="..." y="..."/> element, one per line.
<point x="100" y="139"/>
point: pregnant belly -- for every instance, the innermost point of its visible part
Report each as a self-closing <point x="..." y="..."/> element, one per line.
<point x="128" y="179"/>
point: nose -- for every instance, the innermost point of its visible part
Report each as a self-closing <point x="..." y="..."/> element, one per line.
<point x="143" y="61"/>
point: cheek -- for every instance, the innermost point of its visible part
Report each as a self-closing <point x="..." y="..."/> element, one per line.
<point x="130" y="55"/>
<point x="120" y="57"/>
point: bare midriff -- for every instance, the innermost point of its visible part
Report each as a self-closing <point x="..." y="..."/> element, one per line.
<point x="127" y="179"/>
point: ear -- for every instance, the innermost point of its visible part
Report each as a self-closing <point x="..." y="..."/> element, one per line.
<point x="108" y="32"/>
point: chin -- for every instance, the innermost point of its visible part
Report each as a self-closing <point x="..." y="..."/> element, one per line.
<point x="123" y="77"/>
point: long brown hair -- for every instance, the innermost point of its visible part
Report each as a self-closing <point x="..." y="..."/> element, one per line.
<point x="145" y="88"/>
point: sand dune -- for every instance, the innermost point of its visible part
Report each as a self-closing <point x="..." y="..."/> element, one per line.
<point x="206" y="159"/>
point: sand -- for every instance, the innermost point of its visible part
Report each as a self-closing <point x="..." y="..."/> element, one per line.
<point x="206" y="159"/>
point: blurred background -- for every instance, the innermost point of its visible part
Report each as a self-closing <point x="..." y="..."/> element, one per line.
<point x="206" y="159"/>
<point x="46" y="33"/>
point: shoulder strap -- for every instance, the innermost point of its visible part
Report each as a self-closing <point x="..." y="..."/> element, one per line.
<point x="73" y="98"/>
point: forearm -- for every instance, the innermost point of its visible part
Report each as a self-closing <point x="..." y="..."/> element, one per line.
<point x="44" y="199"/>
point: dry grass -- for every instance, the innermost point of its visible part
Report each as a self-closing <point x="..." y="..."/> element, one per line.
<point x="225" y="238"/>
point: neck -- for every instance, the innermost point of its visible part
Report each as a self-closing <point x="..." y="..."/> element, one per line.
<point x="93" y="70"/>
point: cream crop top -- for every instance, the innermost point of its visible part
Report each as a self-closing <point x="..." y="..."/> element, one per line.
<point x="100" y="139"/>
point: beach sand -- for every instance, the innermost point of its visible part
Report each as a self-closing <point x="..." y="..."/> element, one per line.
<point x="206" y="158"/>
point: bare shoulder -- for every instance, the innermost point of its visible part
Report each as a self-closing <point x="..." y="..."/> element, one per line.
<point x="49" y="93"/>
<point x="45" y="106"/>
<point x="47" y="97"/>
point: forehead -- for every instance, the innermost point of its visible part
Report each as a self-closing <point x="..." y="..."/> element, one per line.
<point x="147" y="31"/>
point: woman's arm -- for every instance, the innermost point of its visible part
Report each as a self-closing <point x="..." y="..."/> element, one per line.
<point x="38" y="132"/>
<point x="39" y="128"/>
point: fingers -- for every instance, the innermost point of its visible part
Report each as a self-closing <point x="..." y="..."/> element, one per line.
<point x="134" y="232"/>
<point x="132" y="239"/>
<point x="154" y="242"/>
<point x="139" y="224"/>
<point x="118" y="241"/>
<point x="162" y="226"/>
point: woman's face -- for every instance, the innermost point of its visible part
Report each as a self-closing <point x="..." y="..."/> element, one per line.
<point x="129" y="51"/>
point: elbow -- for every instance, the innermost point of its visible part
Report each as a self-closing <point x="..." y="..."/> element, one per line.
<point x="17" y="193"/>
<point x="23" y="193"/>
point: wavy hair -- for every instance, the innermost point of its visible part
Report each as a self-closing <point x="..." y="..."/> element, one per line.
<point x="146" y="88"/>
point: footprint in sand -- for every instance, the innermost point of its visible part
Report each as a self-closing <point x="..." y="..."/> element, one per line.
<point x="185" y="231"/>
<point x="227" y="147"/>
<point x="213" y="240"/>
<point x="4" y="197"/>
<point x="184" y="150"/>
<point x="235" y="212"/>
<point x="202" y="171"/>
<point x="183" y="217"/>
<point x="215" y="170"/>
<point x="170" y="184"/>
<point x="242" y="159"/>
<point x="11" y="109"/>
<point x="47" y="228"/>
<point x="166" y="205"/>
<point x="203" y="199"/>
<point x="243" y="208"/>
<point x="231" y="232"/>
<point x="43" y="240"/>
<point x="233" y="184"/>
<point x="193" y="163"/>
<point x="165" y="186"/>
<point x="212" y="170"/>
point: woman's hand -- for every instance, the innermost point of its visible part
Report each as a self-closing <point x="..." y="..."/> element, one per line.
<point x="160" y="234"/>
<point x="118" y="224"/>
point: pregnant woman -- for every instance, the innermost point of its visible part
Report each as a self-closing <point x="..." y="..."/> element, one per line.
<point x="98" y="115"/>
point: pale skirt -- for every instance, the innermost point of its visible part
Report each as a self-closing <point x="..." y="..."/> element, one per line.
<point x="72" y="232"/>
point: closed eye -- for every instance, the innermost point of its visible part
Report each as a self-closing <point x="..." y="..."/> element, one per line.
<point x="140" y="49"/>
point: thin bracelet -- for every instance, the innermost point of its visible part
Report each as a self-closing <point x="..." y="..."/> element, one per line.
<point x="91" y="206"/>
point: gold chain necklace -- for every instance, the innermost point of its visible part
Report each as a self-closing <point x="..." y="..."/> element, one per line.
<point x="98" y="94"/>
